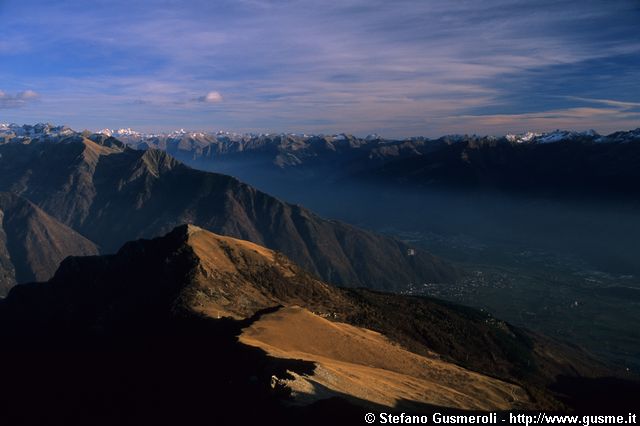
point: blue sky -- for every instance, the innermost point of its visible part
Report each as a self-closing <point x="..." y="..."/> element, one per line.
<point x="398" y="68"/>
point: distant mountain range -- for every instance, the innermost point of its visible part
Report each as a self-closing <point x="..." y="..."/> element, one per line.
<point x="164" y="315"/>
<point x="560" y="162"/>
<point x="557" y="163"/>
<point x="110" y="194"/>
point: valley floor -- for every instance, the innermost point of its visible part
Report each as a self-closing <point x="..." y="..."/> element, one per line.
<point x="554" y="293"/>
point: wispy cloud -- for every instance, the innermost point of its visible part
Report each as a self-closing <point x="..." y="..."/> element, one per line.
<point x="609" y="102"/>
<point x="608" y="119"/>
<point x="17" y="100"/>
<point x="397" y="68"/>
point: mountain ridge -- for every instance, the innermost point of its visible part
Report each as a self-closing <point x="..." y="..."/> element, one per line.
<point x="112" y="194"/>
<point x="32" y="243"/>
<point x="47" y="131"/>
<point x="150" y="287"/>
<point x="584" y="163"/>
<point x="581" y="164"/>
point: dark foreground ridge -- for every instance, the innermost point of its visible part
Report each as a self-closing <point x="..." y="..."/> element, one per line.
<point x="134" y="338"/>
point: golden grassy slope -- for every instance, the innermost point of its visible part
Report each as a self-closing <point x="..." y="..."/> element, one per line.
<point x="367" y="366"/>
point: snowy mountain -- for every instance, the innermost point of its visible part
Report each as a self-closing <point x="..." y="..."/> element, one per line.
<point x="119" y="132"/>
<point x="38" y="131"/>
<point x="552" y="137"/>
<point x="580" y="162"/>
<point x="134" y="137"/>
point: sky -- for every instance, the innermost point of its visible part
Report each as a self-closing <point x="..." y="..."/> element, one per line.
<point x="394" y="67"/>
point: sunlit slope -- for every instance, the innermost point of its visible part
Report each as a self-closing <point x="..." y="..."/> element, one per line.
<point x="363" y="364"/>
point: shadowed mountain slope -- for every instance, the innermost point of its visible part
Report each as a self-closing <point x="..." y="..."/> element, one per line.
<point x="577" y="166"/>
<point x="113" y="194"/>
<point x="32" y="243"/>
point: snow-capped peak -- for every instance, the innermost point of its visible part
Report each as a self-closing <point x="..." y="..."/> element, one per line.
<point x="120" y="132"/>
<point x="621" y="137"/>
<point x="560" y="135"/>
<point x="551" y="137"/>
<point x="126" y="132"/>
<point x="34" y="131"/>
<point x="523" y="137"/>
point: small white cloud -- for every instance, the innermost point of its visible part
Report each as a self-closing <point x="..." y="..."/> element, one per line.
<point x="211" y="97"/>
<point x="28" y="94"/>
<point x="18" y="100"/>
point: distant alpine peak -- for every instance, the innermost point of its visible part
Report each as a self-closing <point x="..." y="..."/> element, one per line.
<point x="551" y="137"/>
<point x="621" y="137"/>
<point x="340" y="137"/>
<point x="120" y="132"/>
<point x="34" y="131"/>
<point x="130" y="133"/>
<point x="523" y="137"/>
